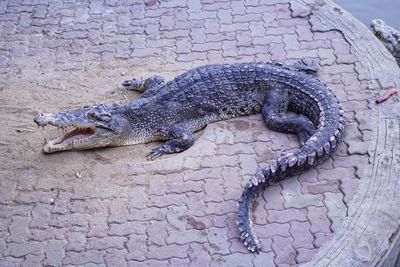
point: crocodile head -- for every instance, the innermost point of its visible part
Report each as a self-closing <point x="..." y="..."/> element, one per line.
<point x="85" y="128"/>
<point x="389" y="36"/>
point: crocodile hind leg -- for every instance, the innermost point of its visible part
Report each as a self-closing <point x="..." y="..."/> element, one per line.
<point x="148" y="87"/>
<point x="180" y="140"/>
<point x="274" y="112"/>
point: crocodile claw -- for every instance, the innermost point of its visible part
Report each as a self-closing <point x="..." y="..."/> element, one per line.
<point x="134" y="85"/>
<point x="156" y="153"/>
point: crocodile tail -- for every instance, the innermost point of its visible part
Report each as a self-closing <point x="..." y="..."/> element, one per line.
<point x="312" y="153"/>
<point x="254" y="186"/>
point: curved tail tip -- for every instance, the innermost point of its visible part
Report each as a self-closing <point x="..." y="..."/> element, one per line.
<point x="250" y="242"/>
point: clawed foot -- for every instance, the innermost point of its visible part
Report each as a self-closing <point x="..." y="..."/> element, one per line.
<point x="133" y="84"/>
<point x="305" y="134"/>
<point x="156" y="153"/>
<point x="307" y="67"/>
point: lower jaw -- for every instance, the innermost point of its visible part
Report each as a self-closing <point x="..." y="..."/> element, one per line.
<point x="51" y="149"/>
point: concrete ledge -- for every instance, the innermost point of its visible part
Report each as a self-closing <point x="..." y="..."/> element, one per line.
<point x="367" y="234"/>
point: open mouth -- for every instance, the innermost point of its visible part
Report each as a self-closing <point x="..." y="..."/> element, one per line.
<point x="70" y="136"/>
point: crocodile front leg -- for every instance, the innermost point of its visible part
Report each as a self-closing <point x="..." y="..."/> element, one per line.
<point x="274" y="113"/>
<point x="148" y="87"/>
<point x="180" y="140"/>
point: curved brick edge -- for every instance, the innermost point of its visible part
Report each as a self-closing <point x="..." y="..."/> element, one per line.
<point x="366" y="237"/>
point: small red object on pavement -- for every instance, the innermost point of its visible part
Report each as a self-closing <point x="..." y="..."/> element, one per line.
<point x="388" y="93"/>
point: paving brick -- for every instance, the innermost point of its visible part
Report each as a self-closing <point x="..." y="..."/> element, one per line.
<point x="85" y="257"/>
<point x="207" y="46"/>
<point x="322" y="238"/>
<point x="148" y="214"/>
<point x="116" y="258"/>
<point x="76" y="241"/>
<point x="192" y="56"/>
<point x="167" y="252"/>
<point x="318" y="220"/>
<point x="235" y="259"/>
<point x="321" y="187"/>
<point x="238" y="26"/>
<point x="118" y="211"/>
<point x="106" y="242"/>
<point x="74" y="219"/>
<point x="32" y="261"/>
<point x="349" y="187"/>
<point x="305" y="255"/>
<point x="127" y="228"/>
<point x="22" y="249"/>
<point x="220" y="208"/>
<point x="139" y="198"/>
<point x="283" y="250"/>
<point x="61" y="203"/>
<point x="218" y="239"/>
<point x="157" y="234"/>
<point x="137" y="247"/>
<point x="287" y="215"/>
<point x="335" y="205"/>
<point x="212" y="194"/>
<point x="309" y="176"/>
<point x="264" y="259"/>
<point x="55" y="252"/>
<point x="224" y="16"/>
<point x="41" y="216"/>
<point x="273" y="197"/>
<point x="32" y="197"/>
<point x="187" y="236"/>
<point x="273" y="229"/>
<point x="18" y="229"/>
<point x="257" y="29"/>
<point x="173" y="4"/>
<point x="302" y="237"/>
<point x="277" y="51"/>
<point x="293" y="197"/>
<point x="203" y="15"/>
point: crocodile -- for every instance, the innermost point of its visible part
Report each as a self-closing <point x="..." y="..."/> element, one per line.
<point x="389" y="36"/>
<point x="173" y="111"/>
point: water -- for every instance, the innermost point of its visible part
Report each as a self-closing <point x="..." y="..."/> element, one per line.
<point x="367" y="10"/>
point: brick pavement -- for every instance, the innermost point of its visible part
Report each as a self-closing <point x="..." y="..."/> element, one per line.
<point x="112" y="208"/>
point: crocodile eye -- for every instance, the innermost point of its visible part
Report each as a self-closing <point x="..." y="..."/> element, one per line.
<point x="105" y="117"/>
<point x="91" y="114"/>
<point x="102" y="116"/>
